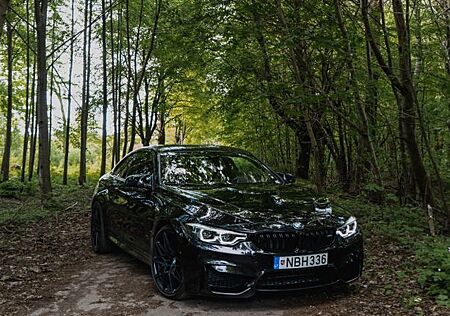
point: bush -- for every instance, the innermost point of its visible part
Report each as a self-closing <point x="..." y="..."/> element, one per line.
<point x="15" y="188"/>
<point x="434" y="275"/>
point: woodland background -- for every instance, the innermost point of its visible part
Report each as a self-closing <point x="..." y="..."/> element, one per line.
<point x="353" y="96"/>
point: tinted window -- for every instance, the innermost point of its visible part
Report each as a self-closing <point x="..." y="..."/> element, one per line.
<point x="212" y="169"/>
<point x="140" y="162"/>
<point x="122" y="167"/>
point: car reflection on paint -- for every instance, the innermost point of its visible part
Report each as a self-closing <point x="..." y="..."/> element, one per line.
<point x="215" y="220"/>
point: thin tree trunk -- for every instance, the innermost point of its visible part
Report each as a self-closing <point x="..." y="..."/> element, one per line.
<point x="69" y="97"/>
<point x="135" y="78"/>
<point x="113" y="87"/>
<point x="44" y="153"/>
<point x="119" y="83"/>
<point x="162" y="127"/>
<point x="105" y="91"/>
<point x="27" y="99"/>
<point x="33" y="118"/>
<point x="129" y="76"/>
<point x="52" y="82"/>
<point x="85" y="98"/>
<point x="3" y="8"/>
<point x="8" y="138"/>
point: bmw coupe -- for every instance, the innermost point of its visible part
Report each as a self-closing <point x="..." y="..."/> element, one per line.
<point x="214" y="220"/>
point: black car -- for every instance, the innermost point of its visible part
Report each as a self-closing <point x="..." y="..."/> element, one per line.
<point x="215" y="220"/>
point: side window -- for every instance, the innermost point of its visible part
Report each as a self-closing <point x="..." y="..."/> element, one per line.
<point x="141" y="163"/>
<point x="121" y="169"/>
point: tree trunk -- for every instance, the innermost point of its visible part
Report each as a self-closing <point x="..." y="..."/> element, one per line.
<point x="33" y="118"/>
<point x="409" y="102"/>
<point x="162" y="127"/>
<point x="129" y="77"/>
<point x="8" y="138"/>
<point x="85" y="98"/>
<point x="303" y="141"/>
<point x="119" y="83"/>
<point x="303" y="152"/>
<point x="105" y="91"/>
<point x="69" y="95"/>
<point x="44" y="153"/>
<point x="407" y="95"/>
<point x="3" y="8"/>
<point x="52" y="82"/>
<point x="27" y="99"/>
<point x="113" y="86"/>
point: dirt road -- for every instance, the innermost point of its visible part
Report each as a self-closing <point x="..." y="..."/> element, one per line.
<point x="117" y="284"/>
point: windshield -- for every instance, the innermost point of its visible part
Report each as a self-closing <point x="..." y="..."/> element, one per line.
<point x="187" y="169"/>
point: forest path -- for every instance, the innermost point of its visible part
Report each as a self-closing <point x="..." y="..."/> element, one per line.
<point x="117" y="284"/>
<point x="48" y="268"/>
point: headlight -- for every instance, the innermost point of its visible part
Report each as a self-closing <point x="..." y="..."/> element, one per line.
<point x="348" y="229"/>
<point x="214" y="235"/>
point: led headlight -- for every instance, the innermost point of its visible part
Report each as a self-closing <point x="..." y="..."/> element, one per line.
<point x="348" y="229"/>
<point x="216" y="235"/>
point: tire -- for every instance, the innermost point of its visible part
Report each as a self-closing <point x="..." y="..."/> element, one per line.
<point x="99" y="240"/>
<point x="166" y="267"/>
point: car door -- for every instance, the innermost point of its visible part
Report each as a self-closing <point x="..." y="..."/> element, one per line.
<point x="138" y="211"/>
<point x="116" y="199"/>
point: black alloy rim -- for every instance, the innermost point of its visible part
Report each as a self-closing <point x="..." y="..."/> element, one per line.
<point x="95" y="226"/>
<point x="166" y="266"/>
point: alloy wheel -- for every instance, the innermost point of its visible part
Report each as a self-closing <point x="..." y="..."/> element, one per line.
<point x="167" y="270"/>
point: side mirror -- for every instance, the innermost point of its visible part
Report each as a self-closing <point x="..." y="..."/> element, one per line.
<point x="145" y="182"/>
<point x="287" y="177"/>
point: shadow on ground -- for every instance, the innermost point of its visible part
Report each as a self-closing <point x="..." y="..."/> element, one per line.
<point x="117" y="284"/>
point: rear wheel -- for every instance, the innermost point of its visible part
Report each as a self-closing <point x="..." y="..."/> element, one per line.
<point x="99" y="240"/>
<point x="166" y="266"/>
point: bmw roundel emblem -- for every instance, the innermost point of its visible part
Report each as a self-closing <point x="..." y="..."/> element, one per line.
<point x="297" y="225"/>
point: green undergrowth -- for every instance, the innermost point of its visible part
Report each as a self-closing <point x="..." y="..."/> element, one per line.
<point x="408" y="227"/>
<point x="22" y="203"/>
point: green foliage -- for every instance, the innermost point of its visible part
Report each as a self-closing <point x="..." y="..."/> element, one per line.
<point x="407" y="225"/>
<point x="373" y="188"/>
<point x="16" y="189"/>
<point x="434" y="274"/>
<point x="21" y="203"/>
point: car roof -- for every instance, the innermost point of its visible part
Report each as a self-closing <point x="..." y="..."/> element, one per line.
<point x="193" y="148"/>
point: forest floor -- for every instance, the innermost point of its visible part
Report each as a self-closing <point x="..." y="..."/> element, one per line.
<point x="48" y="268"/>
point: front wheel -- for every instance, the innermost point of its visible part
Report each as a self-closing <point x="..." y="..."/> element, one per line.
<point x="166" y="266"/>
<point x="99" y="240"/>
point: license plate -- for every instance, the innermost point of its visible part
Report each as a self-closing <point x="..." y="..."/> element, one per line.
<point x="297" y="262"/>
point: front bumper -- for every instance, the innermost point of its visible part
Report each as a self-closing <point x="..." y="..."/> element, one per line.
<point x="221" y="271"/>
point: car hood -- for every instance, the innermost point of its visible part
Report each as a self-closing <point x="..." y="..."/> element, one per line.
<point x="256" y="207"/>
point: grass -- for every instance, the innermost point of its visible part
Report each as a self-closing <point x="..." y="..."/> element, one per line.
<point x="21" y="202"/>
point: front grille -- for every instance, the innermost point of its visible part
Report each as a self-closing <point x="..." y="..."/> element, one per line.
<point x="290" y="241"/>
<point x="276" y="242"/>
<point x="295" y="279"/>
<point x="316" y="239"/>
<point x="226" y="282"/>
